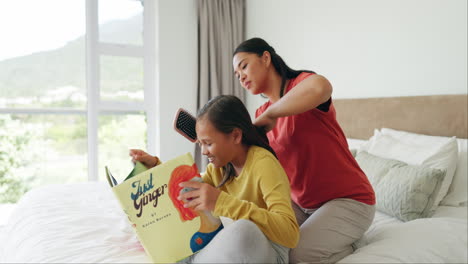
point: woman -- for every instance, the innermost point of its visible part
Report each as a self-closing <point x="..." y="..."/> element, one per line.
<point x="245" y="182"/>
<point x="332" y="197"/>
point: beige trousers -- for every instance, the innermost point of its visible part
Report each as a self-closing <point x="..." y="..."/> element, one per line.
<point x="328" y="232"/>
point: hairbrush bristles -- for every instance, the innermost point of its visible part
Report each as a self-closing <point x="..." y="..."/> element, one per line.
<point x="184" y="123"/>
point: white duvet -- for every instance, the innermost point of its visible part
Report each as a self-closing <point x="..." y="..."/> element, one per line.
<point x="429" y="240"/>
<point x="78" y="223"/>
<point x="83" y="223"/>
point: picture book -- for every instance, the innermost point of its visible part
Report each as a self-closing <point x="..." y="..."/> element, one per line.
<point x="167" y="230"/>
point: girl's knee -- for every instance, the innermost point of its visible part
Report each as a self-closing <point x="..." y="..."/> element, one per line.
<point x="244" y="230"/>
<point x="239" y="242"/>
<point x="244" y="225"/>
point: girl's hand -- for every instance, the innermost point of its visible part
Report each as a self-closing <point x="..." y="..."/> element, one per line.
<point x="204" y="196"/>
<point x="266" y="121"/>
<point x="143" y="157"/>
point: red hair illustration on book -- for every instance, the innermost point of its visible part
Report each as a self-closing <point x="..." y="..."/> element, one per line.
<point x="181" y="174"/>
<point x="209" y="225"/>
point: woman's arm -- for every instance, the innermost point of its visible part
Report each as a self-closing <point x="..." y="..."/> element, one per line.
<point x="308" y="94"/>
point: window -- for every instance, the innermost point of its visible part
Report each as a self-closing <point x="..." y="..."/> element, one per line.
<point x="76" y="82"/>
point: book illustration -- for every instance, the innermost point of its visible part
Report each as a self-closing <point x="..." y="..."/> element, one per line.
<point x="209" y="225"/>
<point x="166" y="229"/>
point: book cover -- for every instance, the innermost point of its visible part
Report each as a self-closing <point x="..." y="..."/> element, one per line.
<point x="167" y="231"/>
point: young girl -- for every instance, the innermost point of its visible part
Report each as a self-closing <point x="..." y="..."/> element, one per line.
<point x="245" y="182"/>
<point x="333" y="199"/>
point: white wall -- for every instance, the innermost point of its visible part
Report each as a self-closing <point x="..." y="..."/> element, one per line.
<point x="176" y="56"/>
<point x="366" y="48"/>
<point x="369" y="48"/>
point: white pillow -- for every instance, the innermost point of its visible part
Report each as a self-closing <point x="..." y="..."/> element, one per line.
<point x="354" y="143"/>
<point x="409" y="137"/>
<point x="433" y="152"/>
<point x="389" y="147"/>
<point x="458" y="191"/>
<point x="451" y="212"/>
<point x="457" y="194"/>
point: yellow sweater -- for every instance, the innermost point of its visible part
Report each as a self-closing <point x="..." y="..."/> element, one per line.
<point x="261" y="194"/>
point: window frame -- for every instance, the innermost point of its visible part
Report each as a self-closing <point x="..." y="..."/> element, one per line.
<point x="95" y="107"/>
<point x="94" y="49"/>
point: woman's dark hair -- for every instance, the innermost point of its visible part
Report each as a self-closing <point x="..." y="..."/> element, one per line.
<point x="259" y="46"/>
<point x="227" y="112"/>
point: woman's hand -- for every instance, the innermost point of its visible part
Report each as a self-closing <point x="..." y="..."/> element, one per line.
<point x="204" y="196"/>
<point x="143" y="157"/>
<point x="265" y="120"/>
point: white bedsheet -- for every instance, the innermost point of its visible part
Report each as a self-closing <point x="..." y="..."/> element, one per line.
<point x="440" y="239"/>
<point x="79" y="223"/>
<point x="83" y="223"/>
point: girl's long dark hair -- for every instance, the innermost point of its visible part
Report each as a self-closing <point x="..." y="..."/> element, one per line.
<point x="227" y="112"/>
<point x="259" y="46"/>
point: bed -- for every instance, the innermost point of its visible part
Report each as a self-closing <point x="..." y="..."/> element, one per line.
<point x="83" y="223"/>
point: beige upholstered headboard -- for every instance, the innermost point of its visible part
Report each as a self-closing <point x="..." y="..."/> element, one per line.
<point x="437" y="115"/>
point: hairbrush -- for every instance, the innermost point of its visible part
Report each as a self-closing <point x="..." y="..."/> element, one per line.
<point x="184" y="124"/>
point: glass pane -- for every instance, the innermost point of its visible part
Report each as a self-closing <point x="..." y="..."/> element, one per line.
<point x="121" y="78"/>
<point x="42" y="61"/>
<point x="40" y="149"/>
<point x="118" y="134"/>
<point x="121" y="21"/>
